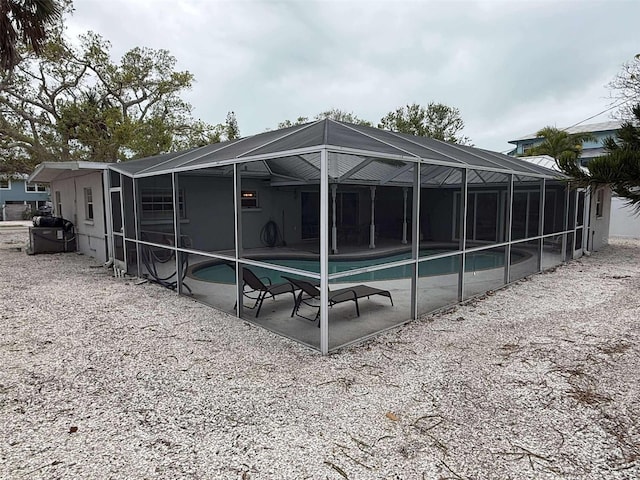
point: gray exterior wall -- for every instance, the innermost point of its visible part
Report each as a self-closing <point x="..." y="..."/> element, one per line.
<point x="90" y="234"/>
<point x="209" y="212"/>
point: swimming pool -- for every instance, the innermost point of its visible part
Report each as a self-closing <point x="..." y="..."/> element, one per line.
<point x="219" y="272"/>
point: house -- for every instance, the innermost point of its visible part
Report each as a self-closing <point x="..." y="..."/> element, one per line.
<point x="590" y="149"/>
<point x="326" y="232"/>
<point x="79" y="194"/>
<point x="598" y="207"/>
<point x="19" y="198"/>
<point x="621" y="220"/>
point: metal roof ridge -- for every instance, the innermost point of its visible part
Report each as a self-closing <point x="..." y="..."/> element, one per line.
<point x="346" y="125"/>
<point x="493" y="154"/>
<point x="302" y="127"/>
<point x="461" y="162"/>
<point x="511" y="160"/>
<point x="222" y="145"/>
<point x="178" y="155"/>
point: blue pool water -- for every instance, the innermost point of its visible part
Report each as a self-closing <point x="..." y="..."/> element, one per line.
<point x="218" y="272"/>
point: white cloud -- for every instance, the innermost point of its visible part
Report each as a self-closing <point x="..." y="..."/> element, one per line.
<point x="510" y="67"/>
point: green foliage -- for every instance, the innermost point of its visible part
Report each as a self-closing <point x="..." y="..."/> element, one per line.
<point x="437" y="121"/>
<point x="231" y="129"/>
<point x="560" y="145"/>
<point x="342" y="116"/>
<point x="25" y="23"/>
<point x="333" y="114"/>
<point x="289" y="123"/>
<point x="620" y="168"/>
<point x="75" y="103"/>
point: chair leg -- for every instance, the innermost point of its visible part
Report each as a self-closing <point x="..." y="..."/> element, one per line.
<point x="259" y="302"/>
<point x="296" y="303"/>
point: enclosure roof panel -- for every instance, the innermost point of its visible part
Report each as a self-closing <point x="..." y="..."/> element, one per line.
<point x="289" y="143"/>
<point x="47" y="172"/>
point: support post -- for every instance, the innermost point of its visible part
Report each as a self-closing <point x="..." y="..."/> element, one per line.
<point x="136" y="214"/>
<point x="324" y="252"/>
<point x="176" y="232"/>
<point x="404" y="216"/>
<point x="334" y="229"/>
<point x="565" y="224"/>
<point x="415" y="240"/>
<point x="372" y="228"/>
<point x="541" y="221"/>
<point x="509" y="222"/>
<point x="463" y="233"/>
<point x="237" y="205"/>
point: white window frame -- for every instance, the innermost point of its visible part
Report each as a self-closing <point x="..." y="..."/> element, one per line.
<point x="8" y="187"/>
<point x="156" y="204"/>
<point x="600" y="203"/>
<point x="58" y="203"/>
<point x="37" y="187"/>
<point x="88" y="204"/>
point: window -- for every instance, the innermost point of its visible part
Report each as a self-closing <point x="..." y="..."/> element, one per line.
<point x="88" y="204"/>
<point x="58" y="204"/>
<point x="526" y="147"/>
<point x="35" y="187"/>
<point x="249" y="199"/>
<point x="599" y="203"/>
<point x="5" y="184"/>
<point x="158" y="204"/>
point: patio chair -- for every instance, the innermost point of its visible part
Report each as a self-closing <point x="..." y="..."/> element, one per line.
<point x="336" y="296"/>
<point x="256" y="285"/>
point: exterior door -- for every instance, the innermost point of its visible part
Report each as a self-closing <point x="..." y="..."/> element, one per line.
<point x="119" y="255"/>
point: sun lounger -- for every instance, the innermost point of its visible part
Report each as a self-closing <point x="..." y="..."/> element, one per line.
<point x="348" y="294"/>
<point x="256" y="285"/>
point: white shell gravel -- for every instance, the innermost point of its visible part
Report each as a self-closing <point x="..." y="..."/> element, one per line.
<point x="101" y="377"/>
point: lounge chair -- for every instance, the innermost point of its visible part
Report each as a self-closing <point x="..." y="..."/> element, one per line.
<point x="336" y="296"/>
<point x="263" y="290"/>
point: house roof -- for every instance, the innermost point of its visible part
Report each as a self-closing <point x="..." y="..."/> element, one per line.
<point x="610" y="126"/>
<point x="47" y="172"/>
<point x="294" y="152"/>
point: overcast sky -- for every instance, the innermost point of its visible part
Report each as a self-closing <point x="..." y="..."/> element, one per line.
<point x="511" y="67"/>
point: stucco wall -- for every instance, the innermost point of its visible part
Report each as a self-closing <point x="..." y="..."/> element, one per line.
<point x="624" y="221"/>
<point x="90" y="234"/>
<point x="600" y="225"/>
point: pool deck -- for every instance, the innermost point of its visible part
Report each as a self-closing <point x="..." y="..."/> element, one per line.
<point x="376" y="313"/>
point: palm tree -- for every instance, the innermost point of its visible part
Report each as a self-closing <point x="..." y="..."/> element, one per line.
<point x="559" y="143"/>
<point x="26" y="22"/>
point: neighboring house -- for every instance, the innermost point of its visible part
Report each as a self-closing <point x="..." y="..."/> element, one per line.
<point x="19" y="198"/>
<point x="596" y="208"/>
<point x="79" y="195"/>
<point x="590" y="149"/>
<point x="622" y="221"/>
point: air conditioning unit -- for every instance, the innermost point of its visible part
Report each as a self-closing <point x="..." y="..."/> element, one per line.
<point x="51" y="240"/>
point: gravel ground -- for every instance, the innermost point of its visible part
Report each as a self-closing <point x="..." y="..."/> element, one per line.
<point x="104" y="378"/>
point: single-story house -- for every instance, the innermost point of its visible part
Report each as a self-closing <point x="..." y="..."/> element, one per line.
<point x="327" y="232"/>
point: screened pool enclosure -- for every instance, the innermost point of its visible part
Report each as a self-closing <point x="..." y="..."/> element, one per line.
<point x="328" y="232"/>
